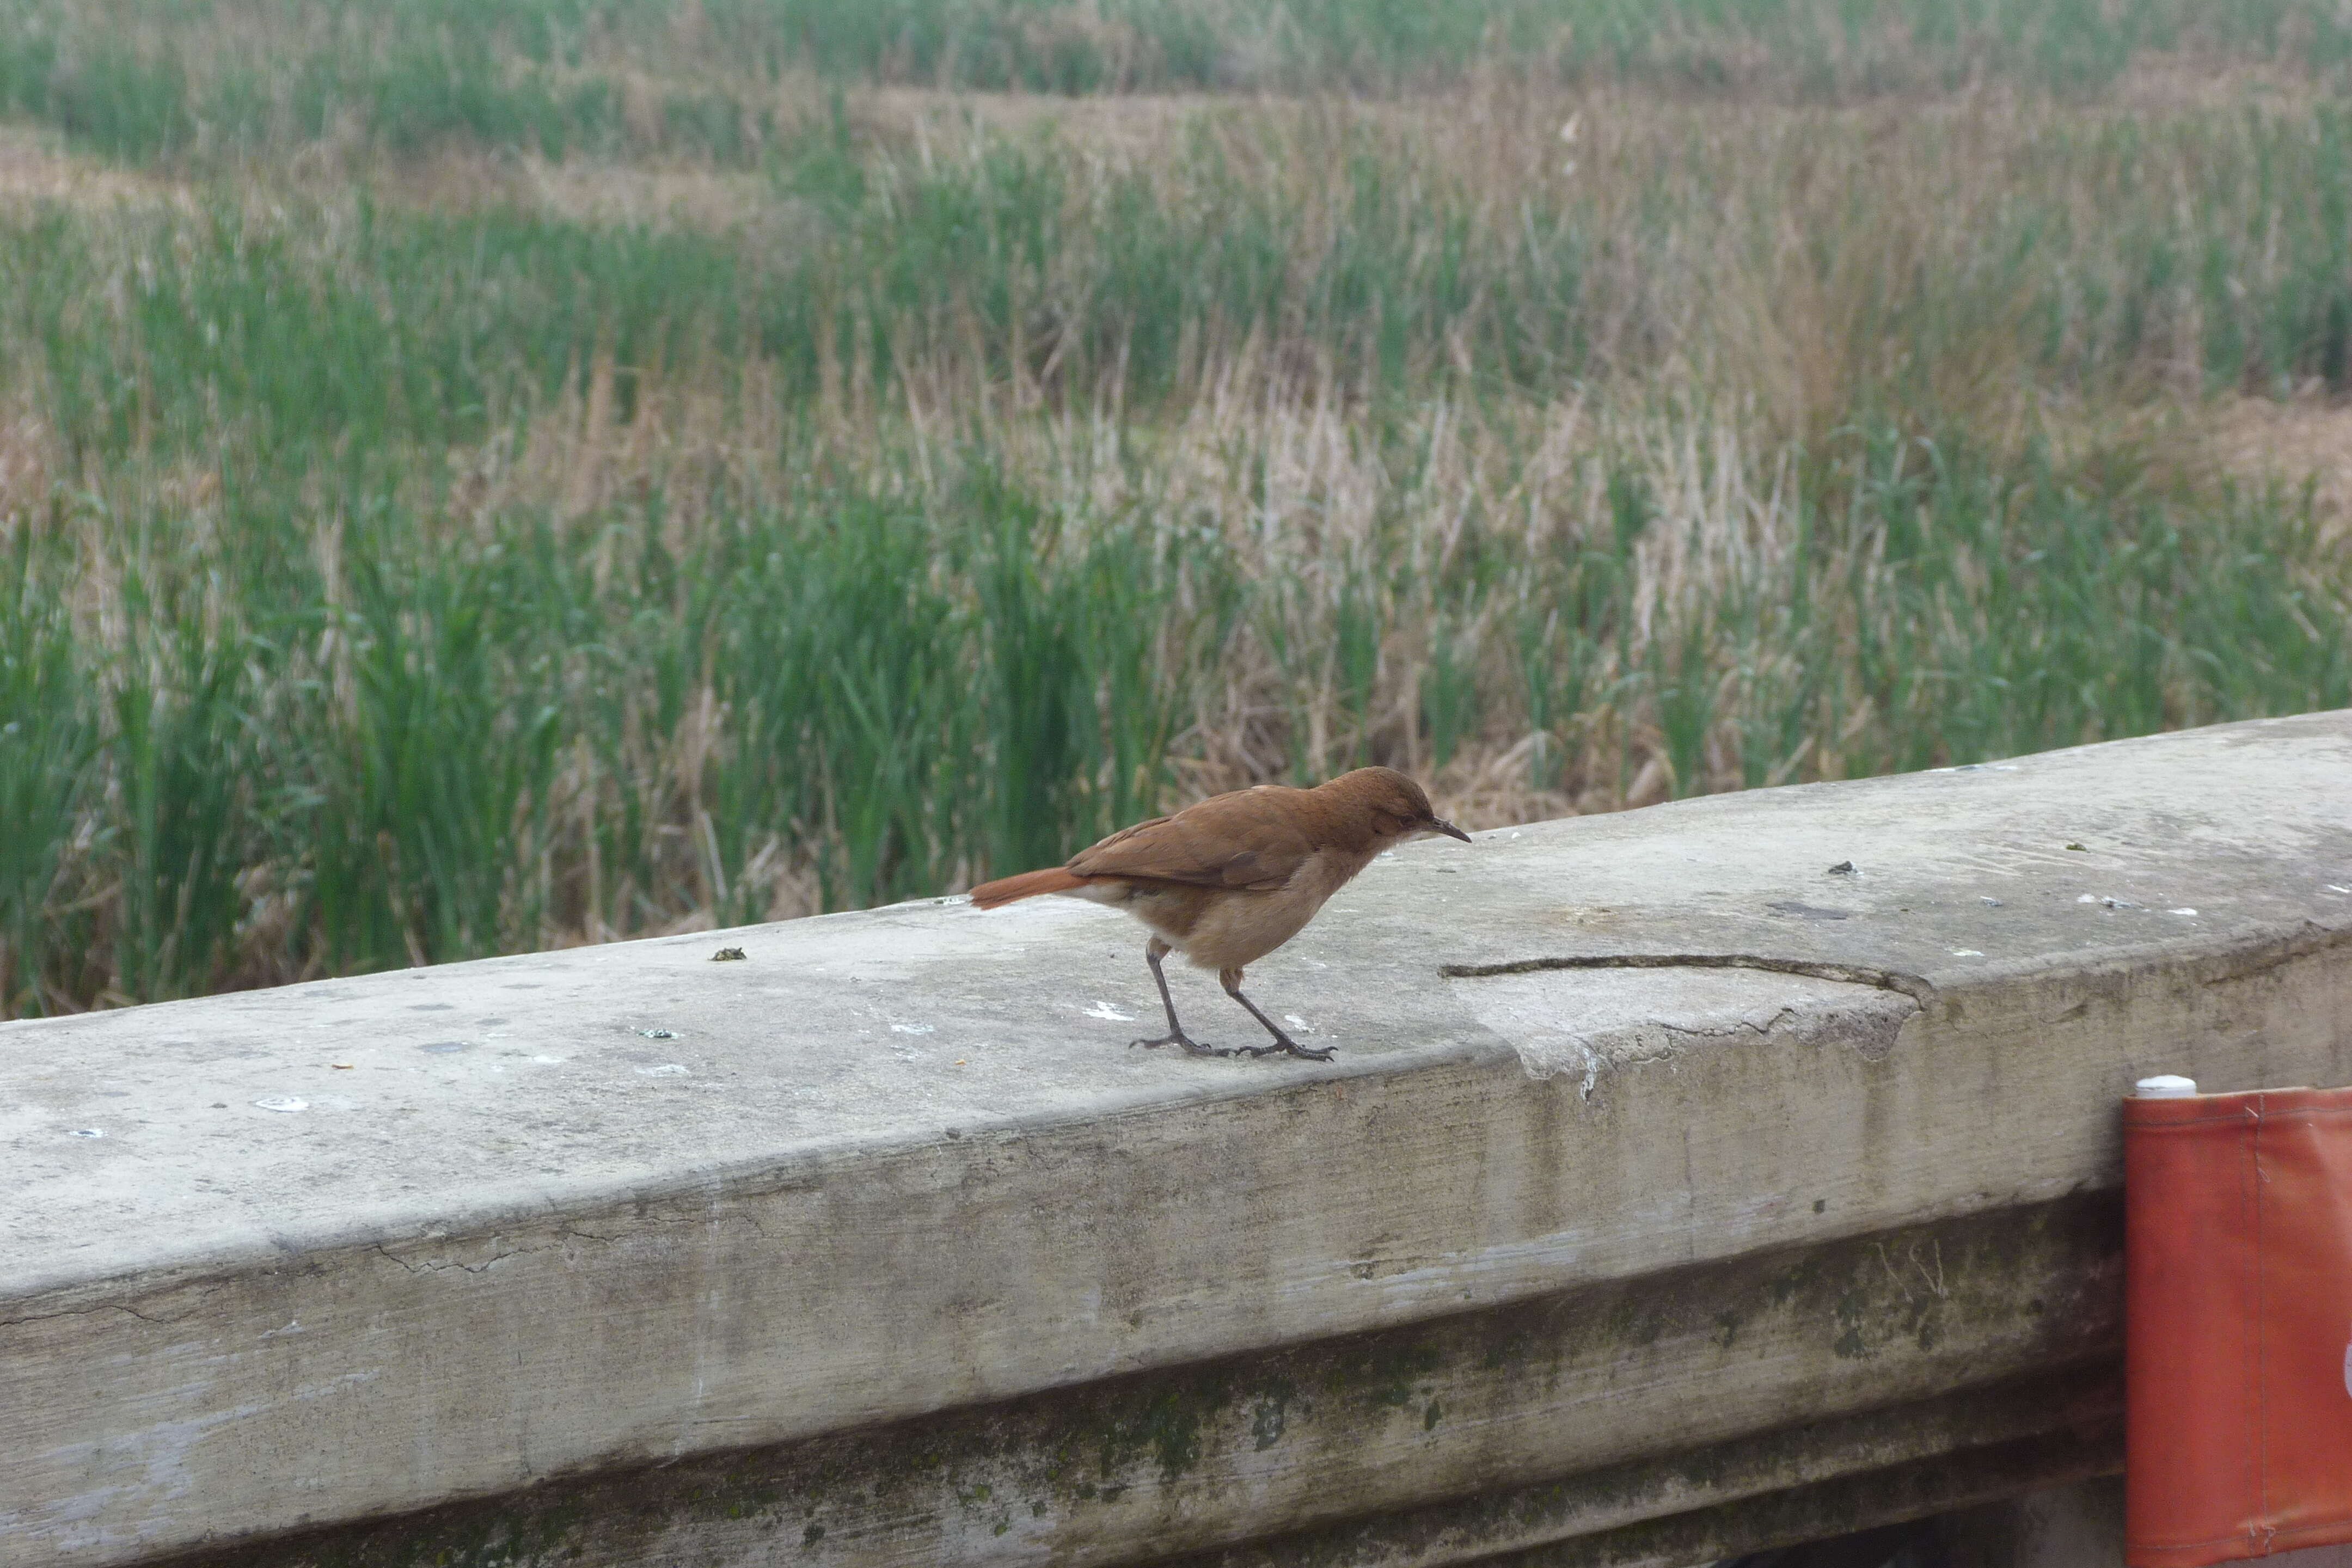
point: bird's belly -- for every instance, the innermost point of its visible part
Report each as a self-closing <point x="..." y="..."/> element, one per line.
<point x="1240" y="929"/>
<point x="1173" y="911"/>
<point x="1228" y="928"/>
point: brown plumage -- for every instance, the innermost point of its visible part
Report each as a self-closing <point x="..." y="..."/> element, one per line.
<point x="1228" y="880"/>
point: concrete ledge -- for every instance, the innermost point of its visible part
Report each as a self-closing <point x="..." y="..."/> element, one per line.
<point x="1989" y="1339"/>
<point x="1670" y="1192"/>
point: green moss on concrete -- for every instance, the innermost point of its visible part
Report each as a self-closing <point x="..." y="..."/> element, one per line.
<point x="1270" y="1415"/>
<point x="1167" y="1427"/>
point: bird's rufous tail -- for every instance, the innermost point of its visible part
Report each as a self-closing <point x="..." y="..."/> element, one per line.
<point x="1027" y="885"/>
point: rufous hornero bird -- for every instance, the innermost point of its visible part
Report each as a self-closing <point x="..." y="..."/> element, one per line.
<point x="1228" y="880"/>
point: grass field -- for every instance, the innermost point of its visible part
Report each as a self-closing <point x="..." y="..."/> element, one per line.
<point x="478" y="477"/>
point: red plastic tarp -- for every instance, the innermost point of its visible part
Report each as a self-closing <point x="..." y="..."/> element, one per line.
<point x="2238" y="1325"/>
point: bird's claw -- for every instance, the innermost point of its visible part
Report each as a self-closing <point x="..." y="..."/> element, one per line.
<point x="1283" y="1045"/>
<point x="1288" y="1046"/>
<point x="1193" y="1047"/>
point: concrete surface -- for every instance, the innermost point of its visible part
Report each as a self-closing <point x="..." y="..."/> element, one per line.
<point x="592" y="1219"/>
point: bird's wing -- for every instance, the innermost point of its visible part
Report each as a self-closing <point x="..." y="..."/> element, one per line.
<point x="1249" y="838"/>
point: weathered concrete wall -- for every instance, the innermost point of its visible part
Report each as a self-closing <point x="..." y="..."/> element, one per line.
<point x="1671" y="1194"/>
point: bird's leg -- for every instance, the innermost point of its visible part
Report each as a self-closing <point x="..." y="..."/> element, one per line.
<point x="1232" y="979"/>
<point x="1153" y="953"/>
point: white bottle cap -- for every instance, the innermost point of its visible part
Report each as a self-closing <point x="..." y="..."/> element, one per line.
<point x="2166" y="1086"/>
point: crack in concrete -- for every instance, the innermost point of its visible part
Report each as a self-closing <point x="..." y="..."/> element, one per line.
<point x="443" y="1265"/>
<point x="1742" y="1026"/>
<point x="562" y="1233"/>
<point x="1916" y="988"/>
<point x="87" y="1311"/>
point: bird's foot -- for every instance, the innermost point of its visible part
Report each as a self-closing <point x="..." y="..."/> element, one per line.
<point x="1285" y="1046"/>
<point x="1193" y="1047"/>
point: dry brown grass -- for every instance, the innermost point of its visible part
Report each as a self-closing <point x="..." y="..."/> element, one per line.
<point x="35" y="169"/>
<point x="2306" y="440"/>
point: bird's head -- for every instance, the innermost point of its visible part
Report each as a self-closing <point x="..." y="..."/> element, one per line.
<point x="1398" y="809"/>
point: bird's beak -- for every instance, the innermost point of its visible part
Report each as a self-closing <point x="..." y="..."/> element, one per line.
<point x="1447" y="828"/>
